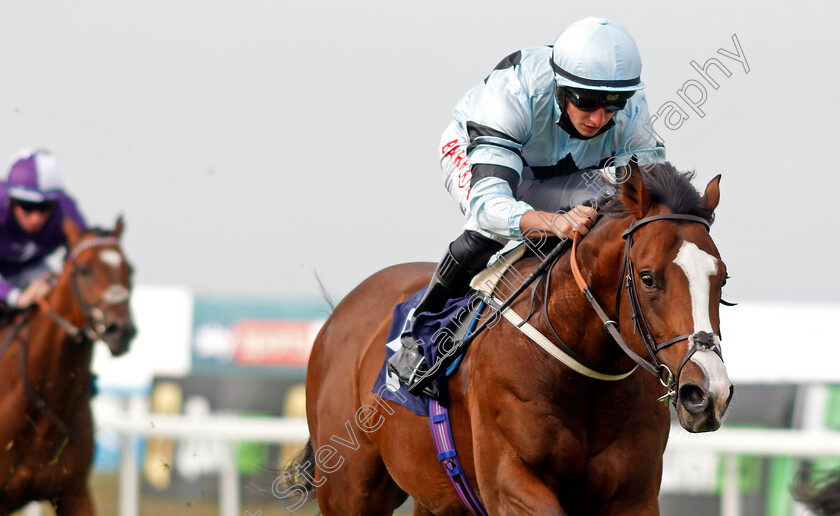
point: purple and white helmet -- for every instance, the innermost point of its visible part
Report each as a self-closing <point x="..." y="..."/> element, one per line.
<point x="34" y="177"/>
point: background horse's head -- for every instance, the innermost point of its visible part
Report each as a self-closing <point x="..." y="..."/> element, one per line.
<point x="670" y="290"/>
<point x="100" y="279"/>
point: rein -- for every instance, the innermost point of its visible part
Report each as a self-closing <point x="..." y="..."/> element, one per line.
<point x="560" y="351"/>
<point x="39" y="402"/>
<point x="444" y="362"/>
<point x="700" y="340"/>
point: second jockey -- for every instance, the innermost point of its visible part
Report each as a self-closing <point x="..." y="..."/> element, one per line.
<point x="33" y="206"/>
<point x="526" y="152"/>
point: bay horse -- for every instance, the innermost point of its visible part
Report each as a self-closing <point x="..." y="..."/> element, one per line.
<point x="46" y="425"/>
<point x="534" y="436"/>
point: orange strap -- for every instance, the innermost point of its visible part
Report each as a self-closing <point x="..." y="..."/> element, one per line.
<point x="575" y="269"/>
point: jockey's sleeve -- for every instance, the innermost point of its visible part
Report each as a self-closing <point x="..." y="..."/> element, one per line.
<point x="69" y="209"/>
<point x="8" y="292"/>
<point x="499" y="121"/>
<point x="501" y="153"/>
<point x="495" y="209"/>
<point x="498" y="117"/>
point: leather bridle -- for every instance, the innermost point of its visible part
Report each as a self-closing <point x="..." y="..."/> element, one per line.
<point x="94" y="326"/>
<point x="94" y="317"/>
<point x="697" y="341"/>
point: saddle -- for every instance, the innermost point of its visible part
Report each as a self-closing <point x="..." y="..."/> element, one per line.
<point x="487" y="280"/>
<point x="439" y="333"/>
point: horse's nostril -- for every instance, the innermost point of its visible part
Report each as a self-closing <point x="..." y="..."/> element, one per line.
<point x="692" y="397"/>
<point x="118" y="329"/>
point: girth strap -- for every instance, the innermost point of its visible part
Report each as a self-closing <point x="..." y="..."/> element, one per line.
<point x="448" y="457"/>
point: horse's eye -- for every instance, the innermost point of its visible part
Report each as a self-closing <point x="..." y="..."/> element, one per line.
<point x="647" y="280"/>
<point x="84" y="271"/>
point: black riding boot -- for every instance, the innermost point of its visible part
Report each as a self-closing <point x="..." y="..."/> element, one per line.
<point x="466" y="257"/>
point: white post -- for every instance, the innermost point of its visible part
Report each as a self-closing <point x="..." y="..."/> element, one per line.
<point x="814" y="402"/>
<point x="229" y="481"/>
<point x="730" y="493"/>
<point x="129" y="497"/>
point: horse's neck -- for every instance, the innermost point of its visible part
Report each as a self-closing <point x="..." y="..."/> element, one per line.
<point x="62" y="301"/>
<point x="50" y="347"/>
<point x="599" y="257"/>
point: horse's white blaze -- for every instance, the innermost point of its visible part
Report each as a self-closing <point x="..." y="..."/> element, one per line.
<point x="698" y="267"/>
<point x="110" y="257"/>
<point x="715" y="372"/>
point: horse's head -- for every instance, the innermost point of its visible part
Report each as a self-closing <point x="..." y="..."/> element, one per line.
<point x="670" y="288"/>
<point x="100" y="278"/>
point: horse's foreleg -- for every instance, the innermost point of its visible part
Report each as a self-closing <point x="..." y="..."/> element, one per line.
<point x="421" y="511"/>
<point x="514" y="489"/>
<point x="648" y="508"/>
<point x="75" y="503"/>
<point x="359" y="485"/>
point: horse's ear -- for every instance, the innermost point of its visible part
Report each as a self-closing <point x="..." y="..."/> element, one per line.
<point x="633" y="193"/>
<point x="711" y="197"/>
<point x="119" y="226"/>
<point x="71" y="231"/>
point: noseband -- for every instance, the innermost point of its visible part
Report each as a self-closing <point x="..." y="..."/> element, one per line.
<point x="94" y="317"/>
<point x="697" y="341"/>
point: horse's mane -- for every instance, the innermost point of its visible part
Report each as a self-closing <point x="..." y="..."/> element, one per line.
<point x="666" y="185"/>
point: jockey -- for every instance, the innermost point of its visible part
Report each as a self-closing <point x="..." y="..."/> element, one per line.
<point x="33" y="206"/>
<point x="530" y="146"/>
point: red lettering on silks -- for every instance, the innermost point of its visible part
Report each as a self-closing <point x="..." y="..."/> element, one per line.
<point x="464" y="178"/>
<point x="460" y="160"/>
<point x="449" y="147"/>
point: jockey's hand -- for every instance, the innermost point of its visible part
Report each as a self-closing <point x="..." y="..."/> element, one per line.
<point x="564" y="225"/>
<point x="36" y="291"/>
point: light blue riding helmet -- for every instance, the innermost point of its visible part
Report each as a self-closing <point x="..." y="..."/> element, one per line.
<point x="597" y="54"/>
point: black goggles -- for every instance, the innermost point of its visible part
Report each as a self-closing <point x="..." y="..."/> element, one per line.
<point x="590" y="100"/>
<point x="30" y="207"/>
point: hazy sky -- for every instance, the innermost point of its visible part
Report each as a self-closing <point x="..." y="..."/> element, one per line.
<point x="251" y="143"/>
